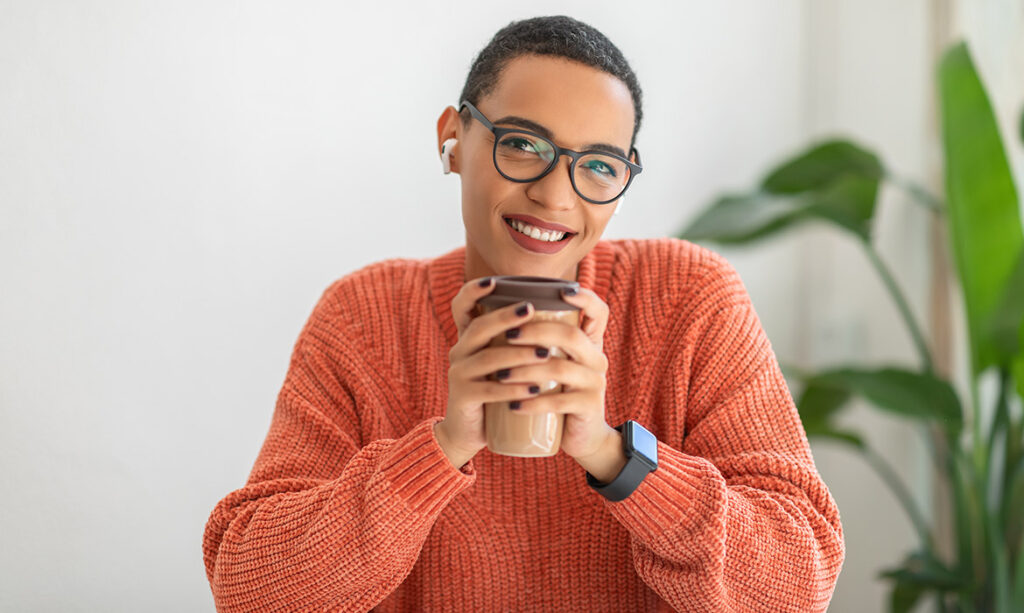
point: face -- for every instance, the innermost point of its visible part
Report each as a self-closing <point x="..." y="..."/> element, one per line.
<point x="579" y="105"/>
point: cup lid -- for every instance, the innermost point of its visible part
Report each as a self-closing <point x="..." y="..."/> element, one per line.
<point x="545" y="293"/>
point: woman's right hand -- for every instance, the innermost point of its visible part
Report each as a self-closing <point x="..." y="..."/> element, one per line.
<point x="461" y="433"/>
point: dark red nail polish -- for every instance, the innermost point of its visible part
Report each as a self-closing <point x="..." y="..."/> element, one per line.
<point x="523" y="310"/>
<point x="534" y="389"/>
<point x="542" y="352"/>
<point x="485" y="282"/>
<point x="515" y="404"/>
<point x="570" y="291"/>
<point x="504" y="373"/>
<point x="512" y="333"/>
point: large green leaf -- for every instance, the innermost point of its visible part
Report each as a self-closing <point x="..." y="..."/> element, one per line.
<point x="1022" y="125"/>
<point x="982" y="205"/>
<point x="907" y="393"/>
<point x="848" y="202"/>
<point x="821" y="165"/>
<point x="1007" y="333"/>
<point x="925" y="571"/>
<point x="1007" y="324"/>
<point x="817" y="404"/>
<point x="904" y="595"/>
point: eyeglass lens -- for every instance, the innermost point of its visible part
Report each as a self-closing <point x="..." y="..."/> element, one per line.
<point x="525" y="157"/>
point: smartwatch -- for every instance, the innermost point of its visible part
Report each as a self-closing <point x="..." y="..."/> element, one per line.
<point x="641" y="449"/>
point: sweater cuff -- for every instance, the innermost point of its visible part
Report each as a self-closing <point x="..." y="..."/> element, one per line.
<point x="681" y="491"/>
<point x="421" y="474"/>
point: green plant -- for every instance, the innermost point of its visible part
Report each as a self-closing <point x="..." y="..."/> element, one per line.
<point x="837" y="182"/>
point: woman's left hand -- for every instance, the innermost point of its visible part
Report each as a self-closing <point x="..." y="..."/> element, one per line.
<point x="582" y="373"/>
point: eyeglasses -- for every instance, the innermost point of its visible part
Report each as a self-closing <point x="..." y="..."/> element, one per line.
<point x="523" y="156"/>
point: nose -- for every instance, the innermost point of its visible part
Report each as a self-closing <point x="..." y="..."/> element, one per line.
<point x="554" y="190"/>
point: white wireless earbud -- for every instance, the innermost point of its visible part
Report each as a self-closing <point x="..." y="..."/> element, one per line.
<point x="618" y="207"/>
<point x="446" y="154"/>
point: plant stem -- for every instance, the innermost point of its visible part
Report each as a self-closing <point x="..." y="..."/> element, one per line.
<point x="903" y="495"/>
<point x="919" y="193"/>
<point x="1000" y="422"/>
<point x="901" y="303"/>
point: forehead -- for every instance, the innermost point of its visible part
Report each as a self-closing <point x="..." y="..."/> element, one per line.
<point x="579" y="104"/>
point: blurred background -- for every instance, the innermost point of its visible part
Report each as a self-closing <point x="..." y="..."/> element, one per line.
<point x="180" y="181"/>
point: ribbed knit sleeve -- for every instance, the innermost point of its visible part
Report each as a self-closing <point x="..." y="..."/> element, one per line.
<point x="324" y="523"/>
<point x="736" y="516"/>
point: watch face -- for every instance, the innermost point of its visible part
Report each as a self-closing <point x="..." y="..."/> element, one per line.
<point x="643" y="442"/>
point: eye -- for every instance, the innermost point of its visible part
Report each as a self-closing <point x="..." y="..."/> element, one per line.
<point x="601" y="168"/>
<point x="521" y="144"/>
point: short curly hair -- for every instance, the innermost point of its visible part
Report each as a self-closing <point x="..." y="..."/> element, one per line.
<point x="557" y="35"/>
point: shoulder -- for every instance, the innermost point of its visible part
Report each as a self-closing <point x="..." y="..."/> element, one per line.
<point x="676" y="271"/>
<point x="371" y="293"/>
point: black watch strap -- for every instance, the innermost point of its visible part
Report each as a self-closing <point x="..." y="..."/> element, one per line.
<point x="628" y="479"/>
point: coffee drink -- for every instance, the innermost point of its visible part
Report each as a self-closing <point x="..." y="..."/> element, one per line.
<point x="508" y="432"/>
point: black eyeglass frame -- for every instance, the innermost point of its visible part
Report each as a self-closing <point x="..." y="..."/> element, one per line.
<point x="634" y="169"/>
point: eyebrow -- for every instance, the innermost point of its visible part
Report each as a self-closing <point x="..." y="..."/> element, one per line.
<point x="522" y="122"/>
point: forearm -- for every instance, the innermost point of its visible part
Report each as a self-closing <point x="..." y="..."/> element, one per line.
<point x="279" y="537"/>
<point x="772" y="537"/>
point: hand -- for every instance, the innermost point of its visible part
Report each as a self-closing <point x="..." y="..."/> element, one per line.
<point x="462" y="433"/>
<point x="582" y="374"/>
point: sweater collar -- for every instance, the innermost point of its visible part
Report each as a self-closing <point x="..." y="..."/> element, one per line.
<point x="447" y="274"/>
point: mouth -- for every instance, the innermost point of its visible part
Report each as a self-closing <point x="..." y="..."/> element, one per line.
<point x="516" y="226"/>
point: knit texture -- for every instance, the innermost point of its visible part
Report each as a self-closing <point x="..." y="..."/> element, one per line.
<point x="352" y="505"/>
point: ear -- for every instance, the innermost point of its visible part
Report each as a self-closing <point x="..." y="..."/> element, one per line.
<point x="634" y="155"/>
<point x="449" y="125"/>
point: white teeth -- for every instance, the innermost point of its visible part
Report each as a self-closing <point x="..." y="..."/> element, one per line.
<point x="537" y="233"/>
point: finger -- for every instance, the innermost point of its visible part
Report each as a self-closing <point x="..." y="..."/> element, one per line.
<point x="574" y="342"/>
<point x="490" y="391"/>
<point x="594" y="319"/>
<point x="492" y="359"/>
<point x="483" y="328"/>
<point x="579" y="402"/>
<point x="573" y="375"/>
<point x="464" y="302"/>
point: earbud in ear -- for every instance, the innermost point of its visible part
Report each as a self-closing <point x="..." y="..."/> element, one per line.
<point x="446" y="154"/>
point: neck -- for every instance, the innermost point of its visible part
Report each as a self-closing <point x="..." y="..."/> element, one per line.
<point x="476" y="267"/>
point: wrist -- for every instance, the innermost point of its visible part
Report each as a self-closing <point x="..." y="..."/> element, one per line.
<point x="456" y="457"/>
<point x="608" y="461"/>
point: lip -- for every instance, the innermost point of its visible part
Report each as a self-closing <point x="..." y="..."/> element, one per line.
<point x="540" y="223"/>
<point x="532" y="244"/>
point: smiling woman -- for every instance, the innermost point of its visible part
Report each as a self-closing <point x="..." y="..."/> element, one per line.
<point x="684" y="480"/>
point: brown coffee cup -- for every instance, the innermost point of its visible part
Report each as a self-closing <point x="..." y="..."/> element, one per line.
<point x="508" y="432"/>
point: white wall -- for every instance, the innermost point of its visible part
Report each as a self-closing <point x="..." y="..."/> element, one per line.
<point x="180" y="181"/>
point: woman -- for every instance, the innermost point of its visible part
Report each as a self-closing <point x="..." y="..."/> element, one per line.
<point x="374" y="488"/>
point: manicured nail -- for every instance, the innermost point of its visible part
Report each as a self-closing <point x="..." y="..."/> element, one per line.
<point x="512" y="333"/>
<point x="534" y="389"/>
<point x="485" y="282"/>
<point x="570" y="291"/>
<point x="515" y="404"/>
<point x="504" y="373"/>
<point x="523" y="310"/>
<point x="542" y="352"/>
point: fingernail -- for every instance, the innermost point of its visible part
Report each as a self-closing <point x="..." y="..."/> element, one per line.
<point x="504" y="373"/>
<point x="515" y="404"/>
<point x="534" y="389"/>
<point x="542" y="352"/>
<point x="523" y="310"/>
<point x="512" y="333"/>
<point x="485" y="282"/>
<point x="570" y="291"/>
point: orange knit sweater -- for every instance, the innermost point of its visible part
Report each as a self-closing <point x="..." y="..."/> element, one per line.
<point x="353" y="506"/>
